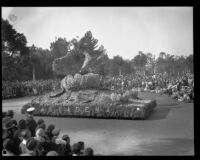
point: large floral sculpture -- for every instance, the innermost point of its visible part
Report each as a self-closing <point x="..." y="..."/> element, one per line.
<point x="82" y="94"/>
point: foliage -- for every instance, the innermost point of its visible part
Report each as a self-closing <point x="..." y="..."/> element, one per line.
<point x="14" y="52"/>
<point x="20" y="62"/>
<point x="59" y="48"/>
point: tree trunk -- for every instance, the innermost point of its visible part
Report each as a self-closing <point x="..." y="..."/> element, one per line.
<point x="34" y="72"/>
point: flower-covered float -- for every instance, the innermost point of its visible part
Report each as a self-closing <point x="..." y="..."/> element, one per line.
<point x="83" y="95"/>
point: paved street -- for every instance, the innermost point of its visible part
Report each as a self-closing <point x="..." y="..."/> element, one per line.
<point x="168" y="131"/>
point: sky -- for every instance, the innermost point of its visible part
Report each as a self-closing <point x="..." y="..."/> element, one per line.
<point x="122" y="31"/>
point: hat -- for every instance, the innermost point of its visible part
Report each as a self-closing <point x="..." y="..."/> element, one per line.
<point x="56" y="132"/>
<point x="52" y="153"/>
<point x="31" y="144"/>
<point x="82" y="144"/>
<point x="65" y="137"/>
<point x="88" y="152"/>
<point x="40" y="121"/>
<point x="50" y="127"/>
<point x="8" y="144"/>
<point x="22" y="124"/>
<point x="9" y="125"/>
<point x="30" y="110"/>
<point x="76" y="148"/>
<point x="10" y="113"/>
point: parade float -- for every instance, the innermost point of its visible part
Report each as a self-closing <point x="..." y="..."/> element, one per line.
<point x="82" y="93"/>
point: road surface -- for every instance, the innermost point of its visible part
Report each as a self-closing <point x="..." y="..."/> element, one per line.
<point x="168" y="131"/>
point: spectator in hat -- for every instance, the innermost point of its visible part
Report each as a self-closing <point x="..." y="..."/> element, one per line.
<point x="30" y="121"/>
<point x="8" y="147"/>
<point x="10" y="113"/>
<point x="25" y="135"/>
<point x="58" y="144"/>
<point x="88" y="152"/>
<point x="42" y="141"/>
<point x="5" y="135"/>
<point x="76" y="149"/>
<point x="49" y="130"/>
<point x="22" y="124"/>
<point x="9" y="127"/>
<point x="31" y="147"/>
<point x="42" y="125"/>
<point x="68" y="151"/>
<point x="39" y="135"/>
<point x="40" y="121"/>
<point x="6" y="119"/>
<point x="17" y="134"/>
<point x="82" y="144"/>
<point x="55" y="132"/>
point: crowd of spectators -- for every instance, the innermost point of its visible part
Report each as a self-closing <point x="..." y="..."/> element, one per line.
<point x="28" y="88"/>
<point x="29" y="137"/>
<point x="178" y="87"/>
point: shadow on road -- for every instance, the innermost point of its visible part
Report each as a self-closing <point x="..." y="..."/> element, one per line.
<point x="168" y="146"/>
<point x="159" y="113"/>
<point x="168" y="104"/>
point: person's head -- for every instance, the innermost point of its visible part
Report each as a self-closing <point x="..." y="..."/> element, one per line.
<point x="25" y="134"/>
<point x="43" y="126"/>
<point x="31" y="144"/>
<point x="40" y="132"/>
<point x="10" y="113"/>
<point x="56" y="132"/>
<point x="50" y="128"/>
<point x="14" y="122"/>
<point x="8" y="144"/>
<point x="52" y="153"/>
<point x="40" y="121"/>
<point x="82" y="144"/>
<point x="9" y="125"/>
<point x="30" y="111"/>
<point x="76" y="148"/>
<point x="22" y="124"/>
<point x="66" y="138"/>
<point x="88" y="152"/>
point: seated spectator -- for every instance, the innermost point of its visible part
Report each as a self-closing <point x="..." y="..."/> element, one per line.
<point x="17" y="134"/>
<point x="10" y="113"/>
<point x="52" y="153"/>
<point x="9" y="128"/>
<point x="58" y="144"/>
<point x="6" y="119"/>
<point x="49" y="130"/>
<point x="82" y="144"/>
<point x="22" y="124"/>
<point x="39" y="135"/>
<point x="88" y="152"/>
<point x="76" y="149"/>
<point x="8" y="147"/>
<point x="42" y="126"/>
<point x="25" y="135"/>
<point x="68" y="151"/>
<point x="31" y="148"/>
